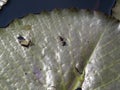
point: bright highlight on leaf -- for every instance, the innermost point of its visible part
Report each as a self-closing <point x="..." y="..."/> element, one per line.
<point x="89" y="61"/>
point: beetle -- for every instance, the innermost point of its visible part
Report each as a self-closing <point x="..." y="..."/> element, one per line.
<point x="62" y="40"/>
<point x="20" y="38"/>
<point x="23" y="41"/>
<point x="64" y="43"/>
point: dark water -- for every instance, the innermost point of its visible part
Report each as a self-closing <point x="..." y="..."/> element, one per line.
<point x="18" y="8"/>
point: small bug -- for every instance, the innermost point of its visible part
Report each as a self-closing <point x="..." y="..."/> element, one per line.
<point x="23" y="41"/>
<point x="64" y="43"/>
<point x="62" y="40"/>
<point x="20" y="37"/>
<point x="78" y="88"/>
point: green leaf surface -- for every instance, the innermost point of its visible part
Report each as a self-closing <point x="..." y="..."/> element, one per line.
<point x="89" y="60"/>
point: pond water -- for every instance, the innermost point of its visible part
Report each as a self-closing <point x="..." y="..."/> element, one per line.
<point x="19" y="8"/>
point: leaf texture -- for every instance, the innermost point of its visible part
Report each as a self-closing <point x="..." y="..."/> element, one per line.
<point x="92" y="44"/>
